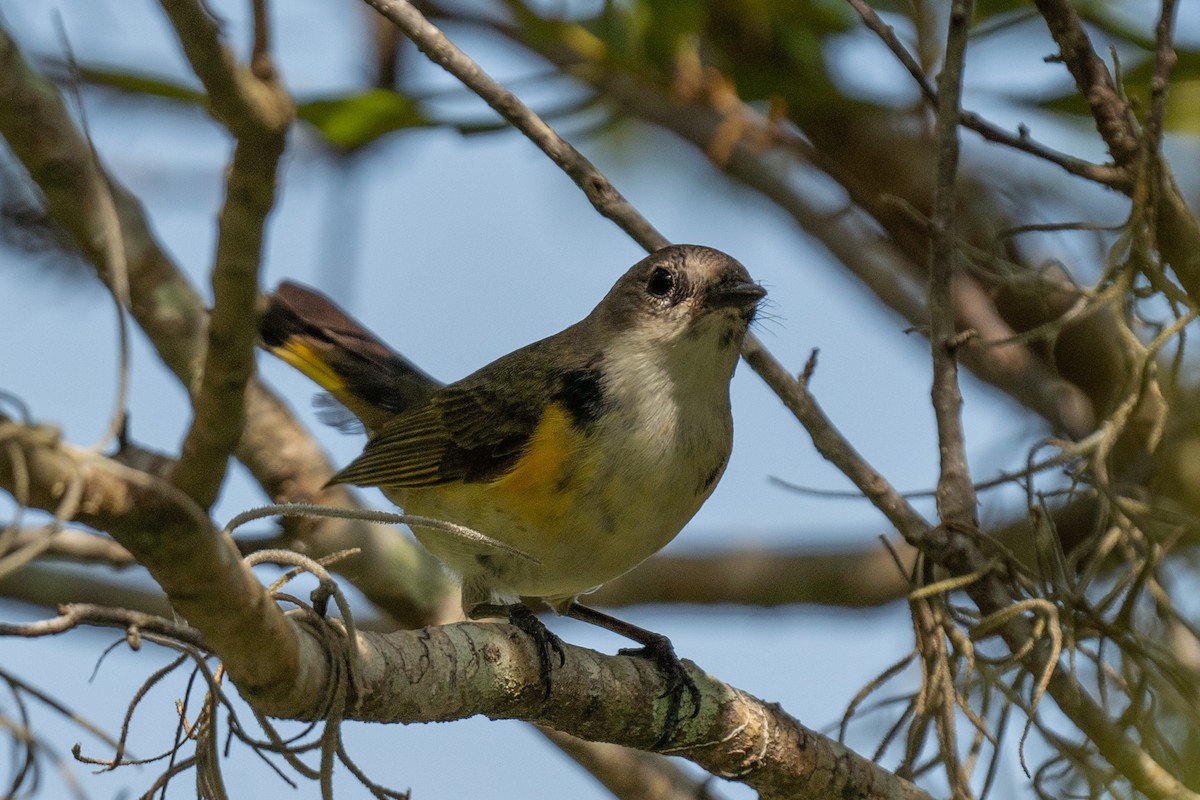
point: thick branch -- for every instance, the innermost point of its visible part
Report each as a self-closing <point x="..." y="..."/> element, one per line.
<point x="845" y="579"/>
<point x="456" y="671"/>
<point x="200" y="569"/>
<point x="51" y="588"/>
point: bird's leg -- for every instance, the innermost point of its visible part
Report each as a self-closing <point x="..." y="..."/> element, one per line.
<point x="544" y="640"/>
<point x="658" y="649"/>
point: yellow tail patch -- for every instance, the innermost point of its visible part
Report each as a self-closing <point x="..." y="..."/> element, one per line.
<point x="302" y="357"/>
<point x="310" y="364"/>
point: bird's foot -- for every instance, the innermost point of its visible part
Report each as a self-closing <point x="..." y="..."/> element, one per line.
<point x="545" y="642"/>
<point x="658" y="648"/>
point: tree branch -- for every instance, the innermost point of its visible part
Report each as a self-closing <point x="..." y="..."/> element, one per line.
<point x="51" y="588"/>
<point x="1178" y="228"/>
<point x="257" y="112"/>
<point x="955" y="493"/>
<point x="78" y="546"/>
<point x="391" y="570"/>
<point x="597" y="188"/>
<point x="1114" y="119"/>
<point x="451" y="672"/>
<point x="1099" y="173"/>
<point x="198" y="567"/>
<point x="845" y="579"/>
<point x="832" y="445"/>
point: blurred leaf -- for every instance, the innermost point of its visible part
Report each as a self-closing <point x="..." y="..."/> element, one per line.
<point x="985" y="10"/>
<point x="352" y="121"/>
<point x="142" y="84"/>
<point x="1183" y="94"/>
<point x="1183" y="107"/>
<point x="1104" y="16"/>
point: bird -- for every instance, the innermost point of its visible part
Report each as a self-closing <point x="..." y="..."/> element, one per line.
<point x="586" y="451"/>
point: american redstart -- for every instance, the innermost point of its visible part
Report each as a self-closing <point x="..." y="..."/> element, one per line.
<point x="588" y="450"/>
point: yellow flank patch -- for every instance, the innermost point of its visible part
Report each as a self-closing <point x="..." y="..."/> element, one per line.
<point x="532" y="488"/>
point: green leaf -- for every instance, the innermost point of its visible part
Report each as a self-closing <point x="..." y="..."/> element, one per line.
<point x="355" y="120"/>
<point x="142" y="84"/>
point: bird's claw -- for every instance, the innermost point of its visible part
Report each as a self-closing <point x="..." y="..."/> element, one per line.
<point x="677" y="680"/>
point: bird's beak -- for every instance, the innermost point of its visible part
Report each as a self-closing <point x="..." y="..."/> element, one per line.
<point x="742" y="295"/>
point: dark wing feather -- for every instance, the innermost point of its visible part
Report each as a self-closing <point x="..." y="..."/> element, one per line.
<point x="462" y="433"/>
<point x="476" y="429"/>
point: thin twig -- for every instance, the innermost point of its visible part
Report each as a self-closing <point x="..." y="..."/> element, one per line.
<point x="74" y="615"/>
<point x="113" y="250"/>
<point x="956" y="500"/>
<point x="597" y="188"/>
<point x="832" y="445"/>
<point x="1099" y="173"/>
<point x="1164" y="62"/>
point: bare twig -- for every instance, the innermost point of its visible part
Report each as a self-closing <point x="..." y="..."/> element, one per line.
<point x="115" y="263"/>
<point x="1164" y="62"/>
<point x="72" y="616"/>
<point x="385" y="517"/>
<point x="1099" y="173"/>
<point x="597" y="188"/>
<point x="955" y="493"/>
<point x="832" y="445"/>
<point x="1114" y="119"/>
<point x="74" y="545"/>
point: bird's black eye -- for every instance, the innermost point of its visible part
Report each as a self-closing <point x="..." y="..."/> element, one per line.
<point x="662" y="281"/>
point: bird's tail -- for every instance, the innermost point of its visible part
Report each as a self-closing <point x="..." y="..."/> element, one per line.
<point x="308" y="331"/>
